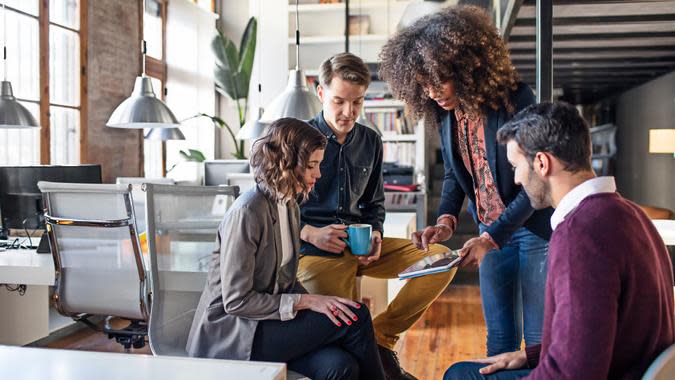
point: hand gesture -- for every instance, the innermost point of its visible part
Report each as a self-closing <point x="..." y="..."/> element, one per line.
<point x="335" y="308"/>
<point x="431" y="235"/>
<point x="507" y="360"/>
<point x="475" y="250"/>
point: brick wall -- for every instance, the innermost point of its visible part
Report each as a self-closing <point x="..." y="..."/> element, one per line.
<point x="113" y="63"/>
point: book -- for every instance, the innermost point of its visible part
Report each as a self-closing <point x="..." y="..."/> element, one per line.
<point x="438" y="263"/>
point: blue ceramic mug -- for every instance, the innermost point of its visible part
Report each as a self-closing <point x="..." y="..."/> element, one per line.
<point x="359" y="239"/>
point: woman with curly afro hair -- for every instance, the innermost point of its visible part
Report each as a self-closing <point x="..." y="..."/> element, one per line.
<point x="453" y="69"/>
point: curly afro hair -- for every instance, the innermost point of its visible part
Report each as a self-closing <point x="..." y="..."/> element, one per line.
<point x="457" y="44"/>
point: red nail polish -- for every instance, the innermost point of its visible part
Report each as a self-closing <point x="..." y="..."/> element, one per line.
<point x="358" y="305"/>
<point x="339" y="324"/>
<point x="356" y="318"/>
<point x="349" y="323"/>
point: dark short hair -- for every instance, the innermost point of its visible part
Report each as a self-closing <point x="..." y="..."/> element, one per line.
<point x="556" y="128"/>
<point x="345" y="66"/>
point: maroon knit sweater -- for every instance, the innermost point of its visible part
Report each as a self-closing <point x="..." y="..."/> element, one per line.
<point x="609" y="307"/>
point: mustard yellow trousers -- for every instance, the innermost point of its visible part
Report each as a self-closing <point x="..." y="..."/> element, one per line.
<point x="336" y="276"/>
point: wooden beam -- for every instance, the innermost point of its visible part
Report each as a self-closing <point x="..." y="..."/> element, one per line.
<point x="599" y="29"/>
<point x="597" y="73"/>
<point x="597" y="55"/>
<point x="601" y="61"/>
<point x="610" y="37"/>
<point x="574" y="2"/>
<point x="600" y="9"/>
<point x="45" y="141"/>
<point x="584" y="20"/>
<point x="598" y="44"/>
<point x="84" y="43"/>
<point x="605" y="65"/>
<point x="509" y="19"/>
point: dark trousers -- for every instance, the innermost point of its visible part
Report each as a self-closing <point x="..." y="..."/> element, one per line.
<point x="469" y="371"/>
<point x="313" y="346"/>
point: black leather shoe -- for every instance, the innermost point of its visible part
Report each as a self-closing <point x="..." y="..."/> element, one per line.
<point x="392" y="367"/>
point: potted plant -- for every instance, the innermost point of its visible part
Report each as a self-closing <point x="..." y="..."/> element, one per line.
<point x="232" y="74"/>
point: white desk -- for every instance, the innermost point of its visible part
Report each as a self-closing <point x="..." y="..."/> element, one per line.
<point x="666" y="229"/>
<point x="22" y="363"/>
<point x="27" y="318"/>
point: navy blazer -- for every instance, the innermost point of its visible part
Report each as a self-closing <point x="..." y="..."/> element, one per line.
<point x="458" y="182"/>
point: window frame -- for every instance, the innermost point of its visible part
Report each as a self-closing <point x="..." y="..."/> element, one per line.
<point x="44" y="101"/>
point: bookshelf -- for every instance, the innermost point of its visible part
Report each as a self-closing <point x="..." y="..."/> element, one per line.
<point x="322" y="29"/>
<point x="404" y="144"/>
<point x="322" y="34"/>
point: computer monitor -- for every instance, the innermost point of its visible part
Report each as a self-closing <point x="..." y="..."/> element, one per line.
<point x="216" y="171"/>
<point x="20" y="197"/>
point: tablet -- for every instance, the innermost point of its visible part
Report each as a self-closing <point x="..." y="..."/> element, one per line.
<point x="441" y="262"/>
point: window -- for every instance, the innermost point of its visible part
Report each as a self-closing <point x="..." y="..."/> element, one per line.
<point x="38" y="67"/>
<point x="154" y="34"/>
<point x="185" y="69"/>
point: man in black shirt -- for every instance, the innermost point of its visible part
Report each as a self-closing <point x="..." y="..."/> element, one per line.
<point x="350" y="191"/>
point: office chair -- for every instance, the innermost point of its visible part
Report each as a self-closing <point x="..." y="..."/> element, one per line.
<point x="182" y="226"/>
<point x="98" y="262"/>
<point x="138" y="195"/>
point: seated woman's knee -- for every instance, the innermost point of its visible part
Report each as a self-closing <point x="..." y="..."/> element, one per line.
<point x="362" y="313"/>
<point x="342" y="366"/>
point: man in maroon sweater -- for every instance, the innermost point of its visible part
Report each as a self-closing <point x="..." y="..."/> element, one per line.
<point x="609" y="308"/>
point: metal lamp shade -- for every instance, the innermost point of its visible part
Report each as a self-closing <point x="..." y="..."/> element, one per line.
<point x="142" y="109"/>
<point x="164" y="134"/>
<point x="253" y="129"/>
<point x="296" y="100"/>
<point x="12" y="113"/>
<point x="416" y="10"/>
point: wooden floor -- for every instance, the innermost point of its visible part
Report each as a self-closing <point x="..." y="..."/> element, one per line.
<point x="453" y="329"/>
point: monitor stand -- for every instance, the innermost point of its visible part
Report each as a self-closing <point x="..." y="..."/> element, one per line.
<point x="43" y="247"/>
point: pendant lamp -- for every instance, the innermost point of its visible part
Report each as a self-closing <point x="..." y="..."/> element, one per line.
<point x="296" y="100"/>
<point x="417" y="9"/>
<point x="164" y="134"/>
<point x="142" y="109"/>
<point x="12" y="113"/>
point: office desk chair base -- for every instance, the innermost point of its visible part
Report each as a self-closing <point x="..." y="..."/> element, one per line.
<point x="133" y="335"/>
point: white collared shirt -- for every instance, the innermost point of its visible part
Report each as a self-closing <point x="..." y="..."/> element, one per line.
<point x="572" y="199"/>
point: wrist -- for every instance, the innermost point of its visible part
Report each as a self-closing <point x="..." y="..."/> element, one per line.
<point x="306" y="233"/>
<point x="302" y="302"/>
<point x="486" y="236"/>
<point x="448" y="221"/>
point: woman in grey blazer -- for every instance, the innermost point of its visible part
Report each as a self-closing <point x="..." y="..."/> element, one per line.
<point x="252" y="307"/>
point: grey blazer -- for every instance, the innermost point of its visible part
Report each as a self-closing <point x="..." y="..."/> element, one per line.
<point x="245" y="283"/>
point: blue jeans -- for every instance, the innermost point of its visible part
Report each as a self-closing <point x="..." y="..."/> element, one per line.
<point x="512" y="285"/>
<point x="469" y="371"/>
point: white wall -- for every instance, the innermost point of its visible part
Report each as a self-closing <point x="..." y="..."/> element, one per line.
<point x="644" y="177"/>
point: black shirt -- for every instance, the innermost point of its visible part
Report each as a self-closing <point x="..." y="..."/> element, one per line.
<point x="350" y="189"/>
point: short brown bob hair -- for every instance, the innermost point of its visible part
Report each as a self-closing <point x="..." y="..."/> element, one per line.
<point x="280" y="158"/>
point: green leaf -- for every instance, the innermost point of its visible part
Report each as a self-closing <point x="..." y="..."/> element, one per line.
<point x="193" y="155"/>
<point x="246" y="56"/>
<point x="249" y="37"/>
<point x="227" y="64"/>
